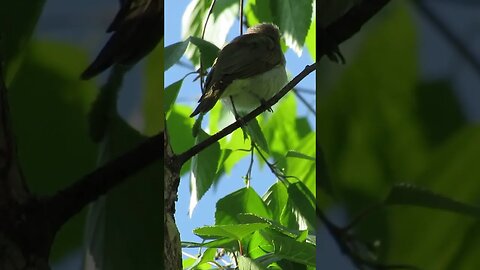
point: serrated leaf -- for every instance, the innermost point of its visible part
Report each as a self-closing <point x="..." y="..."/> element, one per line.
<point x="293" y="17"/>
<point x="245" y="200"/>
<point x="408" y="194"/>
<point x="290" y="249"/>
<point x="234" y="231"/>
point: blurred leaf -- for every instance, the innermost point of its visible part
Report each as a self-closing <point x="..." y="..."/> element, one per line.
<point x="127" y="217"/>
<point x="407" y="194"/>
<point x="235" y="231"/>
<point x="453" y="171"/>
<point x="439" y="111"/>
<point x="220" y="21"/>
<point x="174" y="52"/>
<point x="153" y="99"/>
<point x="293" y="17"/>
<point x="204" y="168"/>
<point x="245" y="200"/>
<point x="17" y="22"/>
<point x="49" y="107"/>
<point x="371" y="134"/>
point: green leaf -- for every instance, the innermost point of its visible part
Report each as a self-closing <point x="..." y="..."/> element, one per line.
<point x="17" y="22"/>
<point x="208" y="51"/>
<point x="295" y="154"/>
<point x="277" y="201"/>
<point x="127" y="217"/>
<point x="179" y="122"/>
<point x="245" y="263"/>
<point x="207" y="256"/>
<point x="171" y="93"/>
<point x="310" y="40"/>
<point x="204" y="168"/>
<point x="290" y="249"/>
<point x="256" y="134"/>
<point x="258" y="11"/>
<point x="371" y="135"/>
<point x="221" y="20"/>
<point x="153" y="98"/>
<point x="304" y="202"/>
<point x="49" y="107"/>
<point x="174" y="52"/>
<point x="245" y="200"/>
<point x="293" y="17"/>
<point x="280" y="128"/>
<point x="235" y="231"/>
<point x="304" y="169"/>
<point x="408" y="194"/>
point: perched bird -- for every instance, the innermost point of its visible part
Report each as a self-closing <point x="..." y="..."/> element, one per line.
<point x="137" y="29"/>
<point x="248" y="70"/>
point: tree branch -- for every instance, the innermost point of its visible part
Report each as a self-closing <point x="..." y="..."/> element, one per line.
<point x="12" y="184"/>
<point x="69" y="201"/>
<point x="183" y="157"/>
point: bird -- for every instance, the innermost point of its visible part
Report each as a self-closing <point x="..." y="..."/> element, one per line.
<point x="247" y="71"/>
<point x="137" y="28"/>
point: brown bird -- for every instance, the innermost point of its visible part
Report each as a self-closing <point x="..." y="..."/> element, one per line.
<point x="247" y="71"/>
<point x="137" y="29"/>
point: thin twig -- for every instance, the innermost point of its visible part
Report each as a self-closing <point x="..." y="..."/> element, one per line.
<point x="210" y="10"/>
<point x="241" y="17"/>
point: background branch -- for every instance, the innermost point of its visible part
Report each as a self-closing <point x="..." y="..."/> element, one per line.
<point x="69" y="201"/>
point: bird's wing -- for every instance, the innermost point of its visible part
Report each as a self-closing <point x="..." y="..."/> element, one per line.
<point x="246" y="56"/>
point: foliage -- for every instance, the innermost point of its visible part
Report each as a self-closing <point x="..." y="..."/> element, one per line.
<point x="277" y="229"/>
<point x="381" y="126"/>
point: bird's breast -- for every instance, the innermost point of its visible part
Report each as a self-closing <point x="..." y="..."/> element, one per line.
<point x="247" y="94"/>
